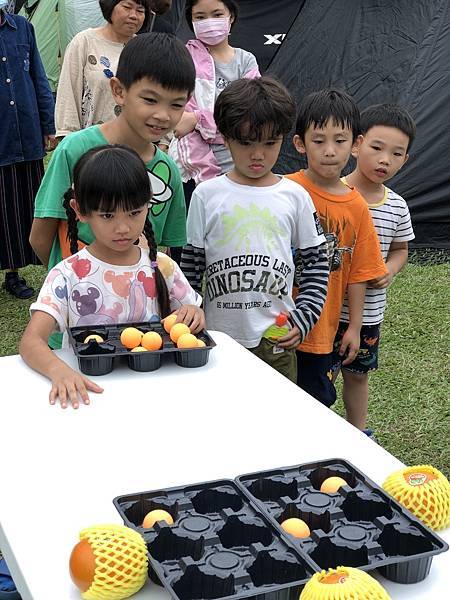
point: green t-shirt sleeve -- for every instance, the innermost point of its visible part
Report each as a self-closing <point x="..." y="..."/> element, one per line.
<point x="174" y="231"/>
<point x="56" y="182"/>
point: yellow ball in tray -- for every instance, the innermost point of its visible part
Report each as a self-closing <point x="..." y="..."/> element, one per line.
<point x="109" y="563"/>
<point x="424" y="491"/>
<point x="343" y="583"/>
<point x="296" y="527"/>
<point x="332" y="485"/>
<point x="156" y="515"/>
<point x="92" y="337"/>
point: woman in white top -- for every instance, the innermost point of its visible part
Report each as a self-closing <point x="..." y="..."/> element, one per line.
<point x="84" y="97"/>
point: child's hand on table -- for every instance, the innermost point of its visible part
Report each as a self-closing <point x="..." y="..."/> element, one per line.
<point x="350" y="345"/>
<point x="69" y="385"/>
<point x="192" y="316"/>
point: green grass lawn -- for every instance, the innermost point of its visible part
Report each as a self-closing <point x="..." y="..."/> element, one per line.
<point x="410" y="394"/>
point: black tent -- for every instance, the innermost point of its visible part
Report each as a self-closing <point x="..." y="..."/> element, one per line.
<point x="378" y="51"/>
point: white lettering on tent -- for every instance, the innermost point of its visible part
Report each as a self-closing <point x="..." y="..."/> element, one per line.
<point x="277" y="38"/>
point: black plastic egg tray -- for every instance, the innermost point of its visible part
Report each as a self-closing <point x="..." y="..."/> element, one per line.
<point x="219" y="546"/>
<point x="100" y="358"/>
<point x="227" y="542"/>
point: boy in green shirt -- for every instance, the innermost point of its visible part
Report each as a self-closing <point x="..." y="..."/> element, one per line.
<point x="154" y="80"/>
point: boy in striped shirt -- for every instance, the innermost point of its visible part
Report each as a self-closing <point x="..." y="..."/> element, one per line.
<point x="387" y="132"/>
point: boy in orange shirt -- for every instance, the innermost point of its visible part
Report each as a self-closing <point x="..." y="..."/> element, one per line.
<point x="326" y="130"/>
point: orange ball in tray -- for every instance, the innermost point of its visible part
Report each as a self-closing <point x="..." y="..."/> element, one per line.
<point x="178" y="330"/>
<point x="130" y="337"/>
<point x="151" y="340"/>
<point x="169" y="322"/>
<point x="296" y="527"/>
<point x="187" y="340"/>
<point x="332" y="484"/>
<point x="201" y="343"/>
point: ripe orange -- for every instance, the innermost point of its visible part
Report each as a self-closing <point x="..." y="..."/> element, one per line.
<point x="151" y="340"/>
<point x="82" y="565"/>
<point x="178" y="330"/>
<point x="187" y="340"/>
<point x="169" y="322"/>
<point x="130" y="337"/>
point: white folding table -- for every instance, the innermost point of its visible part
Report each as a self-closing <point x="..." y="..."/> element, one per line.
<point x="60" y="469"/>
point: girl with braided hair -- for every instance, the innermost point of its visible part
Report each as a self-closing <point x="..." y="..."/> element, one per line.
<point x="112" y="279"/>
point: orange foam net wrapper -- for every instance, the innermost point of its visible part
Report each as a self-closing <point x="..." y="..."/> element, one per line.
<point x="120" y="559"/>
<point x="343" y="583"/>
<point x="424" y="491"/>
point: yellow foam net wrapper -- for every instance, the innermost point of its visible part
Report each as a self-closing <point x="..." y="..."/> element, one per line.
<point x="343" y="583"/>
<point x="120" y="559"/>
<point x="424" y="491"/>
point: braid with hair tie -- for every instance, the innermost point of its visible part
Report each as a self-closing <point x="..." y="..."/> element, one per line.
<point x="162" y="293"/>
<point x="72" y="229"/>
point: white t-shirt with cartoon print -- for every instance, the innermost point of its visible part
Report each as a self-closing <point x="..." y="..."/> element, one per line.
<point x="83" y="290"/>
<point x="248" y="234"/>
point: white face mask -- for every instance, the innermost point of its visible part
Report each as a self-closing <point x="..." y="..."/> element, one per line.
<point x="212" y="31"/>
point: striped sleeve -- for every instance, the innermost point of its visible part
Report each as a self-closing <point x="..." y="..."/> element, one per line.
<point x="193" y="266"/>
<point x="312" y="273"/>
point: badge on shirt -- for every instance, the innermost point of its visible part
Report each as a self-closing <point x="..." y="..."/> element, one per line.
<point x="105" y="61"/>
<point x="318" y="224"/>
<point x="92" y="60"/>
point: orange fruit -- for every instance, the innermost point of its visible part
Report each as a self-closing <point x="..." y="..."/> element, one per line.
<point x="187" y="340"/>
<point x="130" y="337"/>
<point x="157" y="515"/>
<point x="296" y="527"/>
<point x="201" y="344"/>
<point x="97" y="338"/>
<point x="151" y="340"/>
<point x="82" y="565"/>
<point x="178" y="330"/>
<point x="139" y="349"/>
<point x="332" y="484"/>
<point x="169" y="322"/>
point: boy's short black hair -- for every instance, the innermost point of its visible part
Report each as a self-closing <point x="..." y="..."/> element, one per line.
<point x="107" y="7"/>
<point x="319" y="107"/>
<point x="249" y="108"/>
<point x="230" y="4"/>
<point x="389" y="115"/>
<point x="160" y="57"/>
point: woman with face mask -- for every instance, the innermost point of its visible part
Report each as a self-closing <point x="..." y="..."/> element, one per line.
<point x="197" y="147"/>
<point x="84" y="96"/>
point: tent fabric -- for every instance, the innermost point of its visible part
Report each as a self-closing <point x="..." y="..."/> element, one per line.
<point x="55" y="23"/>
<point x="382" y="51"/>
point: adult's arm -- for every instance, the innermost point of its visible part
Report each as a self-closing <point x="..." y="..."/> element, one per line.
<point x="43" y="233"/>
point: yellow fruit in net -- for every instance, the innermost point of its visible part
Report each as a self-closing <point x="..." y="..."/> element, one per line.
<point x="424" y="491"/>
<point x="343" y="583"/>
<point x="109" y="563"/>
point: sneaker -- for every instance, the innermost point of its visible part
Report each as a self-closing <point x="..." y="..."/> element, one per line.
<point x="8" y="590"/>
<point x="370" y="434"/>
<point x="17" y="286"/>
